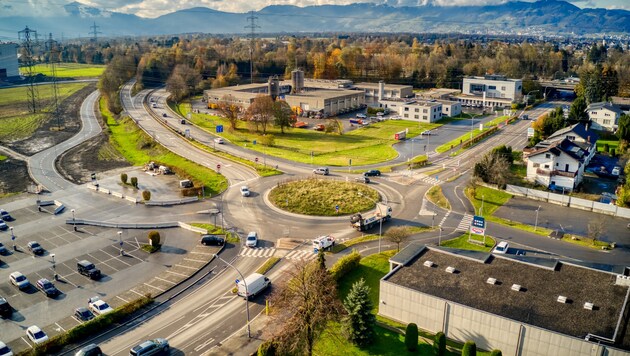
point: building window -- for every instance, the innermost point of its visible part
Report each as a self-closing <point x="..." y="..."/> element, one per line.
<point x="406" y="109"/>
<point x="424" y="111"/>
<point x="547" y="155"/>
<point x="536" y="165"/>
<point x="572" y="138"/>
<point x="417" y="110"/>
<point x="492" y="87"/>
<point x="557" y="164"/>
<point x="606" y="121"/>
<point x="503" y="88"/>
<point x="424" y="117"/>
<point x="415" y="117"/>
<point x="407" y="115"/>
<point x="546" y="166"/>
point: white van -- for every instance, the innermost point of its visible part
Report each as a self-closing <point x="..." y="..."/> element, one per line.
<point x="256" y="283"/>
<point x="321" y="170"/>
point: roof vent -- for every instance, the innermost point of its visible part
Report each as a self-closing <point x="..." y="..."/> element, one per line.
<point x="588" y="305"/>
<point x="491" y="280"/>
<point x="428" y="263"/>
<point x="516" y="287"/>
<point x="450" y="269"/>
<point x="562" y="299"/>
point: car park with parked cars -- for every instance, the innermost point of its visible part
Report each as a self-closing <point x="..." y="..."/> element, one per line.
<point x="35" y="248"/>
<point x="83" y="314"/>
<point x="252" y="239"/>
<point x="19" y="280"/>
<point x="372" y="173"/>
<point x="88" y="269"/>
<point x="98" y="306"/>
<point x="212" y="240"/>
<point x="46" y="287"/>
<point x="36" y="335"/>
<point x="150" y="347"/>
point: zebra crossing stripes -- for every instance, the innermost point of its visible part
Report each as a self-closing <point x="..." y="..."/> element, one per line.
<point x="444" y="218"/>
<point x="305" y="255"/>
<point x="257" y="252"/>
<point x="430" y="180"/>
<point x="465" y="223"/>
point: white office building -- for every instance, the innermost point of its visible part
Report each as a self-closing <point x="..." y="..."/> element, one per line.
<point x="490" y="91"/>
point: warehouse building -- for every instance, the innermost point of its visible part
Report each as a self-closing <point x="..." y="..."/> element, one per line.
<point x="518" y="304"/>
<point x="8" y="61"/>
<point x="375" y="92"/>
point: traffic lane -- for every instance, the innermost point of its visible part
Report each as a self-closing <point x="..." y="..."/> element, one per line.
<point x="570" y="220"/>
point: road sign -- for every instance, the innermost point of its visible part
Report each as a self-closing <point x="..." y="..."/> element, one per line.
<point x="477" y="230"/>
<point x="120" y="243"/>
<point x="237" y="281"/>
<point x="478" y="221"/>
<point x="219" y="128"/>
<point x="254" y="142"/>
<point x="218" y="166"/>
<point x="93" y="176"/>
<point x="337" y="208"/>
<point x="13" y="238"/>
<point x="256" y="159"/>
<point x="530" y="132"/>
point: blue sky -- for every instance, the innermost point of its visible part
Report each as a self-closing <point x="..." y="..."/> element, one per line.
<point x="154" y="8"/>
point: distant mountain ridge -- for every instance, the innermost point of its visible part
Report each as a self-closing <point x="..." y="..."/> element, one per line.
<point x="546" y="17"/>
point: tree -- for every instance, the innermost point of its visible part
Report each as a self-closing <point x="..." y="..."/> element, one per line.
<point x="492" y="168"/>
<point x="623" y="132"/>
<point x="360" y="319"/>
<point x="261" y="112"/>
<point x="411" y="337"/>
<point x="146" y="195"/>
<point x="229" y="110"/>
<point x="283" y="116"/>
<point x="398" y="234"/>
<point x="182" y="82"/>
<point x="267" y="348"/>
<point x="123" y="178"/>
<point x="305" y="305"/>
<point x="154" y="238"/>
<point x="469" y="349"/>
<point x="134" y="182"/>
<point x="577" y="112"/>
<point x="439" y="344"/>
<point x="321" y="259"/>
<point x="596" y="228"/>
<point x="496" y="352"/>
<point x="505" y="152"/>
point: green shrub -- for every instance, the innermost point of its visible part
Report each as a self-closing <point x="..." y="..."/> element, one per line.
<point x="345" y="264"/>
<point x="469" y="349"/>
<point x="134" y="182"/>
<point x="613" y="152"/>
<point x="439" y="344"/>
<point x="268" y="140"/>
<point x="411" y="337"/>
<point x="146" y="195"/>
<point x="154" y="238"/>
<point x="606" y="148"/>
<point x="123" y="178"/>
<point x="267" y="348"/>
<point x="496" y="352"/>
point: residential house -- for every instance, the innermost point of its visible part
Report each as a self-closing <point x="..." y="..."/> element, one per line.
<point x="604" y="116"/>
<point x="557" y="164"/>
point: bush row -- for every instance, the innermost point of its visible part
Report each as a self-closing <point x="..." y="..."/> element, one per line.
<point x="345" y="264"/>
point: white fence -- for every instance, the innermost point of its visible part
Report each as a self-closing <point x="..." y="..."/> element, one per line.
<point x="566" y="200"/>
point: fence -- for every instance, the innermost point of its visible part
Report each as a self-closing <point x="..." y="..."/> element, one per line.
<point x="172" y="202"/>
<point x="566" y="200"/>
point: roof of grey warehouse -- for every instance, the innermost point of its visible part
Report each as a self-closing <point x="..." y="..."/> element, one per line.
<point x="535" y="304"/>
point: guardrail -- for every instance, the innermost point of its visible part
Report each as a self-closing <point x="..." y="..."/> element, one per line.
<point x="123" y="225"/>
<point x="110" y="192"/>
<point x="171" y="202"/>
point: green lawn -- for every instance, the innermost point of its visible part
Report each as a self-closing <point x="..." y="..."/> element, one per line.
<point x="71" y="70"/>
<point x="2" y="158"/>
<point x="436" y="196"/>
<point x="462" y="243"/>
<point x="611" y="144"/>
<point x="138" y="148"/>
<point x="455" y="142"/>
<point x="491" y="199"/>
<point x="349" y="243"/>
<point x="16" y="122"/>
<point x="496" y="121"/>
<point x="367" y="145"/>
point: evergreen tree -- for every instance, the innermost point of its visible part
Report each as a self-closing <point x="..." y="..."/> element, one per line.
<point x="411" y="337"/>
<point x="623" y="132"/>
<point x="496" y="352"/>
<point x="360" y="318"/>
<point x="577" y="112"/>
<point x="439" y="344"/>
<point x="321" y="259"/>
<point x="469" y="349"/>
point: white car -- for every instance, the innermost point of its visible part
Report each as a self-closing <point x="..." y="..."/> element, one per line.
<point x="3" y="225"/>
<point x="98" y="306"/>
<point x="36" y="335"/>
<point x="219" y="140"/>
<point x="252" y="239"/>
<point x="502" y="248"/>
<point x="5" y="350"/>
<point x="615" y="171"/>
<point x="245" y="191"/>
<point x="19" y="280"/>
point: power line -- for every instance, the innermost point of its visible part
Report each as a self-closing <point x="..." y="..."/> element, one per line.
<point x="252" y="27"/>
<point x="94" y="32"/>
<point x="51" y="47"/>
<point x="29" y="43"/>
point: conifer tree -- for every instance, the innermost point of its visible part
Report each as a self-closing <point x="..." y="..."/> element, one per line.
<point x="360" y="319"/>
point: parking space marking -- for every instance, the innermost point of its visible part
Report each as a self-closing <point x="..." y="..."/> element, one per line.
<point x="122" y="299"/>
<point x="134" y="291"/>
<point x="62" y="329"/>
<point x="165" y="280"/>
<point x="76" y="319"/>
<point x="201" y="253"/>
<point x="26" y="342"/>
<point x="117" y="258"/>
<point x="193" y="268"/>
<point x="179" y="274"/>
<point x="194" y="260"/>
<point x="154" y="287"/>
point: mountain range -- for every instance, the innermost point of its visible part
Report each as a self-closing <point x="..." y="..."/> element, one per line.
<point x="545" y="17"/>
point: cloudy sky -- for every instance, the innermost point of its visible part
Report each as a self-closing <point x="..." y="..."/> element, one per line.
<point x="154" y="8"/>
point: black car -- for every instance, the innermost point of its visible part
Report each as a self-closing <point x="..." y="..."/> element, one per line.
<point x="372" y="173"/>
<point x="3" y="250"/>
<point x="212" y="240"/>
<point x="90" y="350"/>
<point x="5" y="308"/>
<point x="47" y="288"/>
<point x="88" y="269"/>
<point x="83" y="314"/>
<point x="35" y="248"/>
<point x="4" y="215"/>
<point x="163" y="114"/>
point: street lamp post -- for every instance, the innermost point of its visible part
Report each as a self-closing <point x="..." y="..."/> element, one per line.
<point x="440" y="237"/>
<point x="120" y="243"/>
<point x="12" y="238"/>
<point x="380" y="222"/>
<point x="52" y="255"/>
<point x="527" y="96"/>
<point x="74" y="223"/>
<point x="481" y="209"/>
<point x="536" y="224"/>
<point x="249" y="333"/>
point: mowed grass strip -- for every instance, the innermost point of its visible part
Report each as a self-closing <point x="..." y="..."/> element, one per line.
<point x="366" y="145"/>
<point x="71" y="70"/>
<point x="17" y="95"/>
<point x="139" y="149"/>
<point x="321" y="196"/>
<point x="436" y="196"/>
<point x="462" y="243"/>
<point x="491" y="199"/>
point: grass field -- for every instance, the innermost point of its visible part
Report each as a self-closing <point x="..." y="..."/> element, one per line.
<point x="462" y="243"/>
<point x="71" y="70"/>
<point x="367" y="145"/>
<point x="138" y="148"/>
<point x="320" y="196"/>
<point x="612" y="144"/>
<point x="455" y="142"/>
<point x="2" y="158"/>
<point x="16" y="122"/>
<point x="491" y="199"/>
<point x="436" y="196"/>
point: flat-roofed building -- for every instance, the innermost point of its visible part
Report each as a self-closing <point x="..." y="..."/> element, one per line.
<point x="490" y="91"/>
<point x="414" y="110"/>
<point x="8" y="61"/>
<point x="374" y="92"/>
<point x="329" y="102"/>
<point x="518" y="304"/>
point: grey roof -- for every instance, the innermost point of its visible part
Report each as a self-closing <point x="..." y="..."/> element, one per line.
<point x="578" y="129"/>
<point x="604" y="105"/>
<point x="565" y="145"/>
<point x="536" y="304"/>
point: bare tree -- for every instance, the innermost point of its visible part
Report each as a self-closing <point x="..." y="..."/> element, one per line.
<point x="398" y="234"/>
<point x="261" y="111"/>
<point x="492" y="168"/>
<point x="229" y="110"/>
<point x="596" y="228"/>
<point x="305" y="305"/>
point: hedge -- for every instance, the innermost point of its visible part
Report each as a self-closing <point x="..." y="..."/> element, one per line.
<point x="469" y="349"/>
<point x="439" y="344"/>
<point x="411" y="337"/>
<point x="345" y="264"/>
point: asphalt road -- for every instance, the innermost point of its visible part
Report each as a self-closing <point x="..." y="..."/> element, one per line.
<point x="42" y="164"/>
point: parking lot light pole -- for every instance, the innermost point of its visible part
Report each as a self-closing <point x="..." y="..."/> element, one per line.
<point x="536" y="224"/>
<point x="74" y="223"/>
<point x="52" y="255"/>
<point x="120" y="243"/>
<point x="12" y="238"/>
<point x="249" y="333"/>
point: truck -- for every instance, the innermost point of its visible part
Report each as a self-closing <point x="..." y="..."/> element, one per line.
<point x="252" y="285"/>
<point x="364" y="222"/>
<point x="323" y="242"/>
<point x="400" y="135"/>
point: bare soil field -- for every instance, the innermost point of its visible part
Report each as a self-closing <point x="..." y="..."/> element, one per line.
<point x="14" y="176"/>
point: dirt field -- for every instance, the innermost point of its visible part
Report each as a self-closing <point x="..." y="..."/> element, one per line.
<point x="14" y="176"/>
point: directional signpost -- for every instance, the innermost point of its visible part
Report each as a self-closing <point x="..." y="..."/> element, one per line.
<point x="219" y="128"/>
<point x="478" y="227"/>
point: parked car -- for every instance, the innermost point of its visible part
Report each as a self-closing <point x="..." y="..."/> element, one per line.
<point x="47" y="287"/>
<point x="4" y="215"/>
<point x="5" y="350"/>
<point x="427" y="133"/>
<point x="363" y="179"/>
<point x="35" y="248"/>
<point x="321" y="170"/>
<point x="212" y="240"/>
<point x="98" y="306"/>
<point x="19" y="280"/>
<point x="36" y="335"/>
<point x="3" y="225"/>
<point x="5" y="308"/>
<point x="252" y="239"/>
<point x="150" y="347"/>
<point x="88" y="269"/>
<point x="83" y="314"/>
<point x="163" y="114"/>
<point x="3" y="250"/>
<point x="372" y="173"/>
<point x="502" y="248"/>
<point x="182" y="121"/>
<point x="90" y="350"/>
<point x="616" y="171"/>
<point x="245" y="191"/>
<point x="256" y="283"/>
<point x="219" y="140"/>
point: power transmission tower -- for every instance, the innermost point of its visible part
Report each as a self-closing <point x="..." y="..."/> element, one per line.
<point x="252" y="38"/>
<point x="94" y="32"/>
<point x="29" y="43"/>
<point x="53" y="55"/>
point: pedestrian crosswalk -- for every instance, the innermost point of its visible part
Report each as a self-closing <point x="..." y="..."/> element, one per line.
<point x="429" y="179"/>
<point x="465" y="223"/>
<point x="304" y="255"/>
<point x="257" y="252"/>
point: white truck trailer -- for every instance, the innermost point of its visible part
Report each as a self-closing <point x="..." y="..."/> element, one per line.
<point x="363" y="222"/>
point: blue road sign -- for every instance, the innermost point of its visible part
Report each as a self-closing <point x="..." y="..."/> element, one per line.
<point x="237" y="281"/>
<point x="478" y="221"/>
<point x="254" y="142"/>
<point x="13" y="238"/>
<point x="120" y="243"/>
<point x="219" y="128"/>
<point x="337" y="207"/>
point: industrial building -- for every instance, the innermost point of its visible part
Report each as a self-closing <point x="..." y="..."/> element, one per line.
<point x="490" y="91"/>
<point x="518" y="304"/>
<point x="8" y="61"/>
<point x="426" y="111"/>
<point x="450" y="106"/>
<point x="375" y="92"/>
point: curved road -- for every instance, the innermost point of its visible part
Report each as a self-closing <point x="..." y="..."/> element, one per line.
<point x="42" y="164"/>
